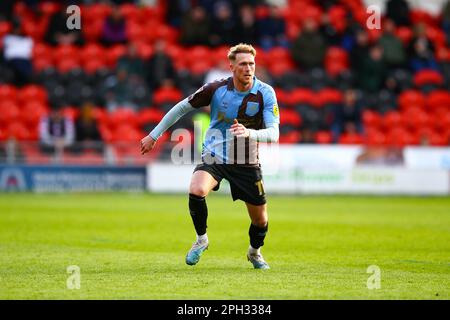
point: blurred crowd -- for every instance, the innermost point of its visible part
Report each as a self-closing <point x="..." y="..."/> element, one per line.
<point x="379" y="68"/>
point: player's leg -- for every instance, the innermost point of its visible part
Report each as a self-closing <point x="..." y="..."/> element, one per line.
<point x="257" y="232"/>
<point x="202" y="183"/>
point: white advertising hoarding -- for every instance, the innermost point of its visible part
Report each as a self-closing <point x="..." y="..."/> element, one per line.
<point x="328" y="170"/>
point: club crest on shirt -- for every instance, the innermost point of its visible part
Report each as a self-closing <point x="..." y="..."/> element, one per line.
<point x="252" y="108"/>
<point x="276" y="112"/>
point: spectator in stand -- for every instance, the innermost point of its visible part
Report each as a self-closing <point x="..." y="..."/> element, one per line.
<point x="223" y="27"/>
<point x="133" y="65"/>
<point x="247" y="31"/>
<point x="18" y="49"/>
<point x="272" y="30"/>
<point x="420" y="35"/>
<point x="175" y="10"/>
<point x="398" y="11"/>
<point x="114" y="28"/>
<point x="347" y="116"/>
<point x="118" y="92"/>
<point x="308" y="50"/>
<point x="422" y="57"/>
<point x="6" y="10"/>
<point x="87" y="134"/>
<point x="421" y="50"/>
<point x="360" y="49"/>
<point x="160" y="66"/>
<point x="56" y="132"/>
<point x="394" y="53"/>
<point x="58" y="33"/>
<point x="372" y="72"/>
<point x="195" y="27"/>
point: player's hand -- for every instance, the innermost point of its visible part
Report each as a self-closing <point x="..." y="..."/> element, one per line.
<point x="147" y="144"/>
<point x="239" y="130"/>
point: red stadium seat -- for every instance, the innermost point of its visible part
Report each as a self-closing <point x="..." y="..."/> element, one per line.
<point x="371" y="119"/>
<point x="3" y="134"/>
<point x="144" y="50"/>
<point x="135" y="32"/>
<point x="5" y="27"/>
<point x="328" y="96"/>
<point x="127" y="133"/>
<point x="199" y="53"/>
<point x="400" y="137"/>
<point x="337" y="15"/>
<point x="336" y="55"/>
<point x="41" y="64"/>
<point x="405" y="34"/>
<point x="92" y="51"/>
<point x="35" y="27"/>
<point x="171" y="95"/>
<point x="283" y="97"/>
<point x="278" y="54"/>
<point x="291" y="137"/>
<point x="427" y="135"/>
<point x="416" y="118"/>
<point x="149" y="115"/>
<point x="393" y="119"/>
<point x="122" y="116"/>
<point x="417" y="16"/>
<point x="114" y="53"/>
<point x="9" y="111"/>
<point x="425" y="77"/>
<point x="442" y="120"/>
<point x="67" y="64"/>
<point x="437" y="36"/>
<point x="49" y="8"/>
<point x="91" y="66"/>
<point x="199" y="67"/>
<point x="280" y="68"/>
<point x="71" y="112"/>
<point x="131" y="12"/>
<point x="42" y="51"/>
<point x="351" y="138"/>
<point x="18" y="131"/>
<point x="167" y="33"/>
<point x="92" y="30"/>
<point x="8" y="92"/>
<point x="324" y="137"/>
<point x="33" y="93"/>
<point x="290" y="117"/>
<point x="437" y="99"/>
<point x="411" y="99"/>
<point x="374" y="137"/>
<point x="302" y="96"/>
<point x="96" y="11"/>
<point x="66" y="52"/>
<point x="32" y="112"/>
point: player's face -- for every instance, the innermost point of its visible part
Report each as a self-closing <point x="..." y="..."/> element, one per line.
<point x="243" y="68"/>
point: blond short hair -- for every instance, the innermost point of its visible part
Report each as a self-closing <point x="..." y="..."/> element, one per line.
<point x="240" y="48"/>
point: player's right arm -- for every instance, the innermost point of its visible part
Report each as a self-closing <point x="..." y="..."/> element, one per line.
<point x="201" y="98"/>
<point x="180" y="109"/>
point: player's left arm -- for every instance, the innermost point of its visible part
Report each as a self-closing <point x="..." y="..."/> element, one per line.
<point x="271" y="118"/>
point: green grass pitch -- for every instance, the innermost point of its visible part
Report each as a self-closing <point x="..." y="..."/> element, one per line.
<point x="132" y="246"/>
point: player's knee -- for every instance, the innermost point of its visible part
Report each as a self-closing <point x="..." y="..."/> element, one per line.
<point x="199" y="190"/>
<point x="260" y="221"/>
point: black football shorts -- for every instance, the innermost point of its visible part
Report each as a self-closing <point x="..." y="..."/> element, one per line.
<point x="245" y="180"/>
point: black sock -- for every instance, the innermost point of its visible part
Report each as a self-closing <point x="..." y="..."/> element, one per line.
<point x="199" y="213"/>
<point x="257" y="235"/>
